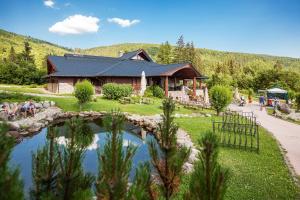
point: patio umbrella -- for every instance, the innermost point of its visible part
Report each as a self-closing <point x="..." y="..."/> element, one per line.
<point x="236" y="94"/>
<point x="206" y="97"/>
<point x="143" y="83"/>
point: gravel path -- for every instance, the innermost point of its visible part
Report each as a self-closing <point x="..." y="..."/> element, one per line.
<point x="287" y="133"/>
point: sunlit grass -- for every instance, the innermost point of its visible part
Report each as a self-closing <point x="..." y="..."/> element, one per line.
<point x="252" y="176"/>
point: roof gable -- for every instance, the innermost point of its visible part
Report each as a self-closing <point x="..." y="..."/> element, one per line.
<point x="137" y="55"/>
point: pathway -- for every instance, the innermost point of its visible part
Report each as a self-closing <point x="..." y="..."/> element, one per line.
<point x="287" y="133"/>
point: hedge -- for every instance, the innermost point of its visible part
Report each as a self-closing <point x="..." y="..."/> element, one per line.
<point x="116" y="91"/>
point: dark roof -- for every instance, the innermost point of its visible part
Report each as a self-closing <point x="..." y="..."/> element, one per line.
<point x="72" y="65"/>
<point x="141" y="52"/>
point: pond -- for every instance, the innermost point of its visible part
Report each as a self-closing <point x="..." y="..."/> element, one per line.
<point x="22" y="153"/>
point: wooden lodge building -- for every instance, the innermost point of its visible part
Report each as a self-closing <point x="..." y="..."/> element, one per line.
<point x="65" y="71"/>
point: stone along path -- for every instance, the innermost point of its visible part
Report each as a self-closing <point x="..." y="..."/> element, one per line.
<point x="287" y="133"/>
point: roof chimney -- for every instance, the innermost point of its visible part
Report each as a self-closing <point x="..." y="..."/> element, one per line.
<point x="121" y="53"/>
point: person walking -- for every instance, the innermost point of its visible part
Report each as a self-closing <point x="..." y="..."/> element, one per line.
<point x="261" y="102"/>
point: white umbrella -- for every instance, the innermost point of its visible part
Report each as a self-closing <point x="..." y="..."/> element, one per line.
<point x="143" y="83"/>
<point x="236" y="94"/>
<point x="206" y="97"/>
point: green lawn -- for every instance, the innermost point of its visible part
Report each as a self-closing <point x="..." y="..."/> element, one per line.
<point x="22" y="89"/>
<point x="102" y="104"/>
<point x="252" y="176"/>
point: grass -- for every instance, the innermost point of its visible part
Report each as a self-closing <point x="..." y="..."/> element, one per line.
<point x="252" y="176"/>
<point x="102" y="104"/>
<point x="22" y="89"/>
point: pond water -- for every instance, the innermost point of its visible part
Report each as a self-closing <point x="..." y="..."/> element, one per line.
<point x="22" y="153"/>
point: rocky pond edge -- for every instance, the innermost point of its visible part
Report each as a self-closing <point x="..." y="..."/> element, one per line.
<point x="30" y="126"/>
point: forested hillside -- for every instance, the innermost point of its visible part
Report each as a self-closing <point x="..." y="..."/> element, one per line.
<point x="227" y="68"/>
<point x="40" y="48"/>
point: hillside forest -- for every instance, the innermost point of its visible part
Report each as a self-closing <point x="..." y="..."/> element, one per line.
<point x="23" y="61"/>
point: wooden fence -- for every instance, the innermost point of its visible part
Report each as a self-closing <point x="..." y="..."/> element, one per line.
<point x="238" y="130"/>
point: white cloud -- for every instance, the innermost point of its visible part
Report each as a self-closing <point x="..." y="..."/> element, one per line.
<point x="76" y="24"/>
<point x="49" y="3"/>
<point x="67" y="4"/>
<point x="123" y="22"/>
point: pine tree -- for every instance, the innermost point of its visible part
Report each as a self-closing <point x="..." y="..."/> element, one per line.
<point x="142" y="186"/>
<point x="11" y="186"/>
<point x="164" y="53"/>
<point x="12" y="57"/>
<point x="179" y="51"/>
<point x="73" y="182"/>
<point x="208" y="180"/>
<point x="168" y="164"/>
<point x="26" y="54"/>
<point x="45" y="169"/>
<point x="115" y="162"/>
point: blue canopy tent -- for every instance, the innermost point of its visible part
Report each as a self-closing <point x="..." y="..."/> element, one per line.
<point x="276" y="93"/>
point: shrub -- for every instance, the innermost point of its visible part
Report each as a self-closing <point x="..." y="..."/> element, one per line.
<point x="220" y="97"/>
<point x="291" y="95"/>
<point x="84" y="91"/>
<point x="116" y="91"/>
<point x="154" y="91"/>
<point x="298" y="101"/>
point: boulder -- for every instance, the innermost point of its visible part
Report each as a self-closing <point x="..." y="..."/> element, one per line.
<point x="284" y="108"/>
<point x="14" y="126"/>
<point x="3" y="116"/>
<point x="46" y="104"/>
<point x="38" y="105"/>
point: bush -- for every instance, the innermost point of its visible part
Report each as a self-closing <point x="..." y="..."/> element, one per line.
<point x="84" y="91"/>
<point x="154" y="91"/>
<point x="220" y="97"/>
<point x="298" y="101"/>
<point x="116" y="91"/>
<point x="16" y="97"/>
<point x="291" y="95"/>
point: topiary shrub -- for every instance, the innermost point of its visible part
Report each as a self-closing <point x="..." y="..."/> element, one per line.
<point x="116" y="91"/>
<point x="154" y="91"/>
<point x="220" y="97"/>
<point x="84" y="91"/>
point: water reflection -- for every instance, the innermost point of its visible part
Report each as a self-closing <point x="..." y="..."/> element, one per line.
<point x="61" y="142"/>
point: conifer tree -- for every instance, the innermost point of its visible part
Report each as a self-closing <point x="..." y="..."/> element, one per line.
<point x="114" y="162"/>
<point x="12" y="57"/>
<point x="45" y="169"/>
<point x="73" y="182"/>
<point x="169" y="163"/>
<point x="26" y="54"/>
<point x="142" y="186"/>
<point x="208" y="180"/>
<point x="11" y="186"/>
<point x="179" y="51"/>
<point x="164" y="53"/>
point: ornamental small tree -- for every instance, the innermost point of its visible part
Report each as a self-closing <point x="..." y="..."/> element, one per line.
<point x="84" y="91"/>
<point x="220" y="97"/>
<point x="114" y="163"/>
<point x="208" y="180"/>
<point x="168" y="163"/>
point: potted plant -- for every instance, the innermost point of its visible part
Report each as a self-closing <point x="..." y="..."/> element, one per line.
<point x="250" y="95"/>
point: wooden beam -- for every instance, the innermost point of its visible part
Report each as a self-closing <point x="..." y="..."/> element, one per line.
<point x="166" y="86"/>
<point x="194" y="86"/>
<point x="200" y="84"/>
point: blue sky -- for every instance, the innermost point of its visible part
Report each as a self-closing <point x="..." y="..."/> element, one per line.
<point x="254" y="26"/>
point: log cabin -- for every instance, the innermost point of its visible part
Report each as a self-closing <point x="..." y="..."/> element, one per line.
<point x="65" y="71"/>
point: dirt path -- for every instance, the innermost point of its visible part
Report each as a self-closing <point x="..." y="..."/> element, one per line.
<point x="288" y="134"/>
